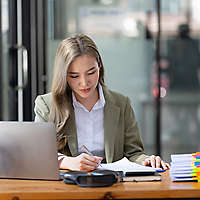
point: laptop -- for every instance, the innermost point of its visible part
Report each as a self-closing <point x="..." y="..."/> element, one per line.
<point x="28" y="150"/>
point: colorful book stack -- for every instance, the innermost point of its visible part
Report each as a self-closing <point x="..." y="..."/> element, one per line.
<point x="185" y="167"/>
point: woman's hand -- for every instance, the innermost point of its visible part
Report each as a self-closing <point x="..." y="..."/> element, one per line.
<point x="83" y="162"/>
<point x="156" y="162"/>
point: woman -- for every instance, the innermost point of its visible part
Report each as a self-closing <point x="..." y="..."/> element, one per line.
<point x="86" y="113"/>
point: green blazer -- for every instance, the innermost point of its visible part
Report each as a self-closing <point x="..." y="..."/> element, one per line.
<point x="121" y="135"/>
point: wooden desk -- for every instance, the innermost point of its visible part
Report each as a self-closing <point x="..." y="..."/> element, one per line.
<point x="29" y="190"/>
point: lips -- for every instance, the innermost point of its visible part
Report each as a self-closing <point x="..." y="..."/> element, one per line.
<point x="85" y="90"/>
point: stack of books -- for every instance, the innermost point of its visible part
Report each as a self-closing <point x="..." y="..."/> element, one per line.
<point x="185" y="167"/>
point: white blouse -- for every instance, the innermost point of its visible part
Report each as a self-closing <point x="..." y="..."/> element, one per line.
<point x="90" y="125"/>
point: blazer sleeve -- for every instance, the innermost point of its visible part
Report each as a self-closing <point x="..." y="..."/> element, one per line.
<point x="41" y="109"/>
<point x="133" y="146"/>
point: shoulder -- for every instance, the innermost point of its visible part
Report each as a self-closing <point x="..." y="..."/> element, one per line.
<point x="43" y="101"/>
<point x="44" y="97"/>
<point x="115" y="97"/>
<point x="42" y="107"/>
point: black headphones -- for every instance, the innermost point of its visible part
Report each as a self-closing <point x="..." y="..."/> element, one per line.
<point x="96" y="178"/>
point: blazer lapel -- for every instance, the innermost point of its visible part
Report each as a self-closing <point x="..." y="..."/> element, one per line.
<point x="111" y="119"/>
<point x="72" y="134"/>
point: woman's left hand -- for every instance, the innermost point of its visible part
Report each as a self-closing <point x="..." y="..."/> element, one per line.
<point x="156" y="162"/>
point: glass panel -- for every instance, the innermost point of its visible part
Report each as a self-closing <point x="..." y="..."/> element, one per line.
<point x="180" y="80"/>
<point x="5" y="87"/>
<point x="181" y="70"/>
<point x="9" y="61"/>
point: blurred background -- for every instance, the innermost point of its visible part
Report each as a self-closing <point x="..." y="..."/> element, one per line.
<point x="125" y="32"/>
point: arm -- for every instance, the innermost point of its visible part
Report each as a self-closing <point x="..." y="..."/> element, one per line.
<point x="42" y="111"/>
<point x="133" y="145"/>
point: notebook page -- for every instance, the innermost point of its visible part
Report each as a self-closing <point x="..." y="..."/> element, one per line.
<point x="126" y="166"/>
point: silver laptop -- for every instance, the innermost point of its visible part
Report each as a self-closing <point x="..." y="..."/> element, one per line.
<point x="28" y="150"/>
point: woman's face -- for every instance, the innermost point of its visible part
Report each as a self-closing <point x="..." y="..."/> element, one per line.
<point x="83" y="77"/>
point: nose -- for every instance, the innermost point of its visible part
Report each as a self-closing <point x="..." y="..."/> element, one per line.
<point x="83" y="81"/>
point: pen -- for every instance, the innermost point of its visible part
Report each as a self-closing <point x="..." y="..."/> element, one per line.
<point x="160" y="170"/>
<point x="84" y="148"/>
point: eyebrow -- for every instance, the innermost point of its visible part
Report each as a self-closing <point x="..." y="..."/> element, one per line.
<point x="87" y="70"/>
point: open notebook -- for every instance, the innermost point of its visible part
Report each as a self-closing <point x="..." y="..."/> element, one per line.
<point x="129" y="168"/>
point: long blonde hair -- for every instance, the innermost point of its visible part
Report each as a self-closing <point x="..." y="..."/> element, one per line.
<point x="69" y="49"/>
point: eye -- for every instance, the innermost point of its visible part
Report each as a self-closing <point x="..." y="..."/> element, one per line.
<point x="91" y="73"/>
<point x="73" y="76"/>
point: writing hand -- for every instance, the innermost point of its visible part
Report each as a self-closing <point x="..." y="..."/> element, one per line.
<point x="83" y="162"/>
<point x="156" y="162"/>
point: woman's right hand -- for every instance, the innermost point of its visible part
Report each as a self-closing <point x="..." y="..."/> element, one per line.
<point x="83" y="162"/>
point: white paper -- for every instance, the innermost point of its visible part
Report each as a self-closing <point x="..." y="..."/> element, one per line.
<point x="182" y="179"/>
<point x="126" y="166"/>
<point x="181" y="158"/>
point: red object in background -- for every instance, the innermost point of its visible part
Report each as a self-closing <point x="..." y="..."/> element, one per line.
<point x="155" y="92"/>
<point x="164" y="79"/>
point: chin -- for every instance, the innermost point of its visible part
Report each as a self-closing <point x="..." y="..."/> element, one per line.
<point x="84" y="96"/>
<point x="87" y="94"/>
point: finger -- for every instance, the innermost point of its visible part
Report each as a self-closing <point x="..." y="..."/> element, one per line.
<point x="167" y="166"/>
<point x="86" y="159"/>
<point x="85" y="167"/>
<point x="88" y="165"/>
<point x="90" y="158"/>
<point x="92" y="162"/>
<point x="99" y="159"/>
<point x="163" y="165"/>
<point x="146" y="162"/>
<point x="153" y="161"/>
<point x="158" y="162"/>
